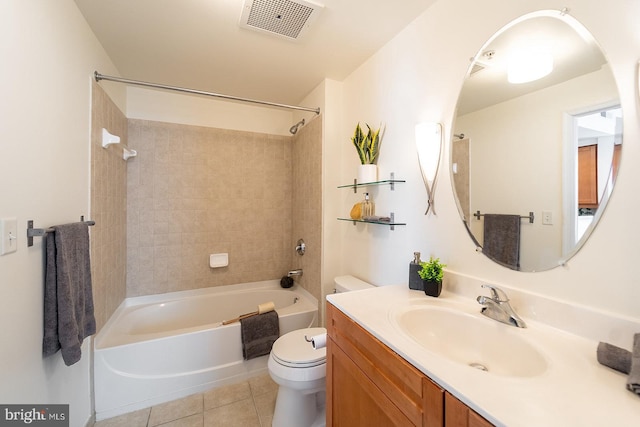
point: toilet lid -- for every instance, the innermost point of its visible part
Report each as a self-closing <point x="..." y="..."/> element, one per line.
<point x="292" y="349"/>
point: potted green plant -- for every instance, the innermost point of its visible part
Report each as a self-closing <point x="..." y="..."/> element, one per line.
<point x="368" y="149"/>
<point x="431" y="275"/>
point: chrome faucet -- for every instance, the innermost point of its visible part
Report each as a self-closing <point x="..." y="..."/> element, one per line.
<point x="497" y="307"/>
<point x="297" y="272"/>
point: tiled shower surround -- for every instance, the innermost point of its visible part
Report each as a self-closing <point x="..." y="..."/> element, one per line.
<point x="108" y="207"/>
<point x="194" y="191"/>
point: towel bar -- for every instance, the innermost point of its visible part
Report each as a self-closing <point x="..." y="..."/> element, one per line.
<point x="530" y="217"/>
<point x="39" y="232"/>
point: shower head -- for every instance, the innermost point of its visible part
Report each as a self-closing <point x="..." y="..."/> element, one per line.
<point x="293" y="129"/>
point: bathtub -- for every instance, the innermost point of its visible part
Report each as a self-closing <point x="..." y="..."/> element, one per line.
<point x="162" y="347"/>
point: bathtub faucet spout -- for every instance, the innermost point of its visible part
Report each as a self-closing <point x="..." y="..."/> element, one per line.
<point x="297" y="272"/>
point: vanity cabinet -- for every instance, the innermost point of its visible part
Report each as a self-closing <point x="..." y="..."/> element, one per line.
<point x="368" y="384"/>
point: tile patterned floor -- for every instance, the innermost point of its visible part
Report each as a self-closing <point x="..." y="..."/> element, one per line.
<point x="246" y="404"/>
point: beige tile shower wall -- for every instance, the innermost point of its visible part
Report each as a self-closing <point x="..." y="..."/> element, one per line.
<point x="108" y="207"/>
<point x="194" y="191"/>
<point x="307" y="204"/>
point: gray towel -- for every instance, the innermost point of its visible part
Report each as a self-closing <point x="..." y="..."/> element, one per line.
<point x="259" y="332"/>
<point x="633" y="381"/>
<point x="68" y="299"/>
<point x="614" y="357"/>
<point x="502" y="239"/>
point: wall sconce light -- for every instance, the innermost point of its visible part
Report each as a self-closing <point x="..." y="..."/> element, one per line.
<point x="429" y="145"/>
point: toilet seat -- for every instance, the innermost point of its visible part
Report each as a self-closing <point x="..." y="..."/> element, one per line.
<point x="294" y="351"/>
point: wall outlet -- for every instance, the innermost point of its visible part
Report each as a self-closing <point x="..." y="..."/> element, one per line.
<point x="8" y="235"/>
<point x="547" y="218"/>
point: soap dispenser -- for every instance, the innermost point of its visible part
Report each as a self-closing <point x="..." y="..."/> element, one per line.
<point x="368" y="209"/>
<point x="415" y="282"/>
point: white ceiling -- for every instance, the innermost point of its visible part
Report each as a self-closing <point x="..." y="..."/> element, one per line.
<point x="199" y="44"/>
<point x="574" y="54"/>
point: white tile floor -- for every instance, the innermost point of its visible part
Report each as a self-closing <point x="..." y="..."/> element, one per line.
<point x="245" y="404"/>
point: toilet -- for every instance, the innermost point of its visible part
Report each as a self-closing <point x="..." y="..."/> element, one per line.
<point x="300" y="371"/>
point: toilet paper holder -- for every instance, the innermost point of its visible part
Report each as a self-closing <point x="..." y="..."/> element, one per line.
<point x="317" y="341"/>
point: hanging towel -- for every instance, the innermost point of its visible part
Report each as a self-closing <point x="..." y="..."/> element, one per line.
<point x="633" y="381"/>
<point x="68" y="299"/>
<point x="259" y="332"/>
<point x="502" y="239"/>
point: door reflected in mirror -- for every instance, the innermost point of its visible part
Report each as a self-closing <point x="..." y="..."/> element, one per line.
<point x="549" y="144"/>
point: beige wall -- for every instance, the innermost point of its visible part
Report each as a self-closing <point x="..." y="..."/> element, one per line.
<point x="108" y="207"/>
<point x="193" y="191"/>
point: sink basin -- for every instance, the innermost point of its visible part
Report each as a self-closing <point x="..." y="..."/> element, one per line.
<point x="472" y="340"/>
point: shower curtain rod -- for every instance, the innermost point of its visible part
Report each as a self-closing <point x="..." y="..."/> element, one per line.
<point x="99" y="77"/>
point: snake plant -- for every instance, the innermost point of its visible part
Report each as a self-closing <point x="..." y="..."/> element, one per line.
<point x="367" y="146"/>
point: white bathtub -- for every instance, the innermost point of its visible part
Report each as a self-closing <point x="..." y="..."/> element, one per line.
<point x="162" y="347"/>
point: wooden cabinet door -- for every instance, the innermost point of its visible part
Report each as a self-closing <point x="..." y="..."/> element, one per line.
<point x="476" y="420"/>
<point x="457" y="414"/>
<point x="399" y="381"/>
<point x="432" y="404"/>
<point x="353" y="400"/>
<point x="588" y="176"/>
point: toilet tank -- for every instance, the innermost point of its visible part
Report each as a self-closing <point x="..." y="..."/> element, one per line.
<point x="350" y="283"/>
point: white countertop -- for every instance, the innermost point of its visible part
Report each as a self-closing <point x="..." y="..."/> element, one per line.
<point x="575" y="390"/>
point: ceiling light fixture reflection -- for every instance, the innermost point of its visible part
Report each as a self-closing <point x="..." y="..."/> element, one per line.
<point x="529" y="64"/>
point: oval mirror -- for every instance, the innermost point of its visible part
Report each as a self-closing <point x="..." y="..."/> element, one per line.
<point x="536" y="142"/>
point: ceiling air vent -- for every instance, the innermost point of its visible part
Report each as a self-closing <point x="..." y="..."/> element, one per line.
<point x="476" y="67"/>
<point x="283" y="18"/>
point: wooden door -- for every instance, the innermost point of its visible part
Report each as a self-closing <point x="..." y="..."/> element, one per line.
<point x="588" y="176"/>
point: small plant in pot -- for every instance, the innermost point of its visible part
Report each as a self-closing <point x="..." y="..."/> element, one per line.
<point x="431" y="275"/>
<point x="368" y="148"/>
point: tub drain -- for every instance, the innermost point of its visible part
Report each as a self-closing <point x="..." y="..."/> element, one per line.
<point x="478" y="366"/>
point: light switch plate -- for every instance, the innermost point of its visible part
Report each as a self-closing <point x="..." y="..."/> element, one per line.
<point x="8" y="235"/>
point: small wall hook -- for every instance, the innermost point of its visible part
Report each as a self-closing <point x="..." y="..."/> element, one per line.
<point x="108" y="139"/>
<point x="127" y="153"/>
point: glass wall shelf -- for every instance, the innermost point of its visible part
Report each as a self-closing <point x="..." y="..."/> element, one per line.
<point x="391" y="223"/>
<point x="391" y="181"/>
